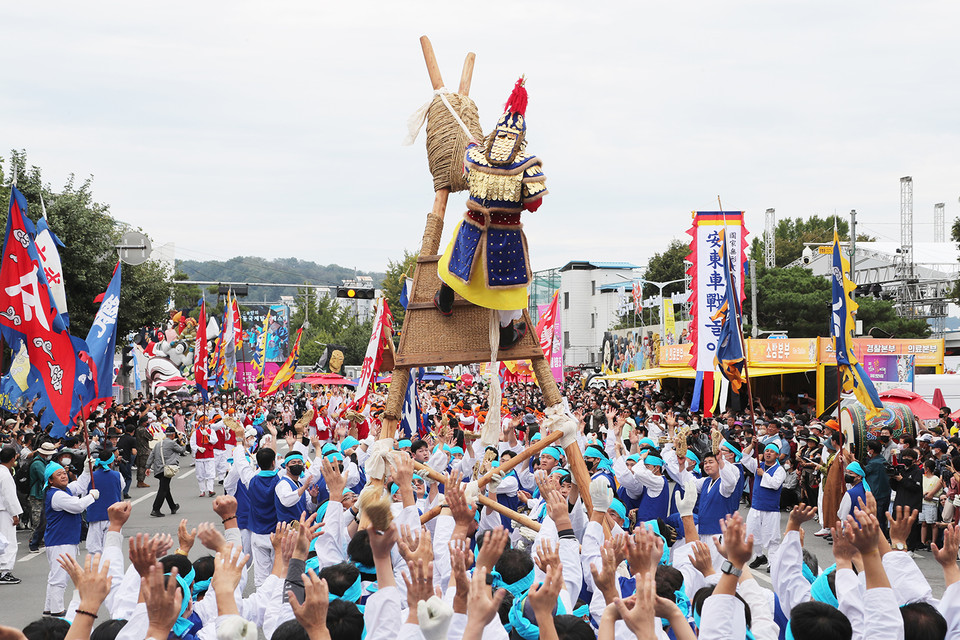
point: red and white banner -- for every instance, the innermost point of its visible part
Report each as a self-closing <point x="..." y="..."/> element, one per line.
<point x="638" y="297"/>
<point x="549" y="334"/>
<point x="707" y="280"/>
<point x="373" y="359"/>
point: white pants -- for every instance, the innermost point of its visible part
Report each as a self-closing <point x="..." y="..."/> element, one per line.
<point x="205" y="473"/>
<point x="247" y="548"/>
<point x="9" y="531"/>
<point x="262" y="557"/>
<point x="57" y="578"/>
<point x="223" y="467"/>
<point x="95" y="534"/>
<point x="765" y="527"/>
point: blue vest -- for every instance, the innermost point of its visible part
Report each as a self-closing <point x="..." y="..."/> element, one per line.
<point x="110" y="485"/>
<point x="714" y="507"/>
<point x="764" y="499"/>
<point x="263" y="511"/>
<point x="650" y="508"/>
<point x="733" y="502"/>
<point x="628" y="501"/>
<point x="509" y="501"/>
<point x="357" y="488"/>
<point x="62" y="527"/>
<point x="855" y="492"/>
<point x="287" y="514"/>
<point x="243" y="506"/>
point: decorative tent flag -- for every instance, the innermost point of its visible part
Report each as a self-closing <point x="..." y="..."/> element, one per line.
<point x="855" y="379"/>
<point x="228" y="344"/>
<point x="638" y="296"/>
<point x="29" y="315"/>
<point x="379" y="337"/>
<point x="47" y="243"/>
<point x="729" y="353"/>
<point x="405" y="290"/>
<point x="410" y="414"/>
<point x="102" y="338"/>
<point x="200" y="351"/>
<point x="285" y="373"/>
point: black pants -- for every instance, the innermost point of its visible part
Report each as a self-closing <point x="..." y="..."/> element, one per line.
<point x="126" y="471"/>
<point x="882" y="506"/>
<point x="163" y="493"/>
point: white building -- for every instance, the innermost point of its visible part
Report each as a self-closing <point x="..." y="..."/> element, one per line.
<point x="584" y="313"/>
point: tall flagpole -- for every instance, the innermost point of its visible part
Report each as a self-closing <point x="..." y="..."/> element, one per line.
<point x="839" y="376"/>
<point x="736" y="303"/>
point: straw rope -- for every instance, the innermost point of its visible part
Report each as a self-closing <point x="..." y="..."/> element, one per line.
<point x="447" y="141"/>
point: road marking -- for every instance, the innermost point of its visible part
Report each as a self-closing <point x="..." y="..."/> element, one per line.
<point x="153" y="493"/>
<point x="762" y="578"/>
<point x="30" y="556"/>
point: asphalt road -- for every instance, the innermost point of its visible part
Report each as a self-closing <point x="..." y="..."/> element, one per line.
<point x="20" y="604"/>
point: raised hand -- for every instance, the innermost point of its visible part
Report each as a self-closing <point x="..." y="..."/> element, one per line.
<point x="843" y="549"/>
<point x="644" y="550"/>
<point x="227" y="566"/>
<point x="701" y="559"/>
<point x="547" y="555"/>
<point x="163" y="600"/>
<point x="482" y="605"/>
<point x="143" y="553"/>
<point x="307" y="529"/>
<point x="605" y="578"/>
<point x="278" y="536"/>
<point x="415" y="546"/>
<point x="866" y="537"/>
<point x="463" y="513"/>
<point x="118" y="513"/>
<point x="460" y="559"/>
<point x="225" y="507"/>
<point x="543" y="599"/>
<point x="494" y="542"/>
<point x="382" y="543"/>
<point x="210" y="536"/>
<point x="901" y="522"/>
<point x="419" y="581"/>
<point x="185" y="537"/>
<point x="736" y="547"/>
<point x="336" y="483"/>
<point x="800" y="514"/>
<point x="312" y="614"/>
<point x="639" y="616"/>
<point x="947" y="554"/>
<point x="92" y="580"/>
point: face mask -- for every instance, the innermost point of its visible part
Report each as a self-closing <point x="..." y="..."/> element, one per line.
<point x="884" y="439"/>
<point x="907" y="462"/>
<point x="849" y="479"/>
<point x="65" y="462"/>
<point x="296" y="470"/>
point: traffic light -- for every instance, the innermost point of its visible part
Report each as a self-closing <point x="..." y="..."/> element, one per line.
<point x="126" y="362"/>
<point x="355" y="293"/>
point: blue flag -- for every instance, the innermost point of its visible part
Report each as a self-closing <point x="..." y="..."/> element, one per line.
<point x="102" y="338"/>
<point x="730" y="357"/>
<point x="410" y="415"/>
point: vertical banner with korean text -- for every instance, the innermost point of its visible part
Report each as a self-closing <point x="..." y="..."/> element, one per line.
<point x="708" y="280"/>
<point x="555" y="357"/>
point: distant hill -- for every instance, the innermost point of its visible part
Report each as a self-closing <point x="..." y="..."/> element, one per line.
<point x="279" y="270"/>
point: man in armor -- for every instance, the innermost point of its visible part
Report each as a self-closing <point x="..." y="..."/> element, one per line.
<point x="487" y="261"/>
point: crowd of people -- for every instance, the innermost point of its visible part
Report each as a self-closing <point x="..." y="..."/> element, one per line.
<point x="461" y="543"/>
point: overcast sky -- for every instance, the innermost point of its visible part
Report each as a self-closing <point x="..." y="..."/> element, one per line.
<point x="274" y="128"/>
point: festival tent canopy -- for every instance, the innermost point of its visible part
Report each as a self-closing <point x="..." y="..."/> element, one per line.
<point x="922" y="409"/>
<point x="326" y="378"/>
<point x="175" y="381"/>
<point x="433" y="376"/>
<point x="686" y="373"/>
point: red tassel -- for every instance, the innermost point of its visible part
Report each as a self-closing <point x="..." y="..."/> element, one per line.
<point x="517" y="102"/>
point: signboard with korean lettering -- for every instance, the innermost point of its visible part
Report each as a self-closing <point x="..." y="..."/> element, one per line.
<point x="789" y="351"/>
<point x="927" y="352"/>
<point x="707" y="278"/>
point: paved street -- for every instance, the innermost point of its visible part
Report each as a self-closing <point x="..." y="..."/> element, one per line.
<point x="24" y="602"/>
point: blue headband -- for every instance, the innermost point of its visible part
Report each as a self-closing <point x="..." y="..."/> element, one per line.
<point x="182" y="625"/>
<point x="736" y="452"/>
<point x="353" y="593"/>
<point x="807" y="572"/>
<point x="653" y="461"/>
<point x="404" y="443"/>
<point x="654" y="526"/>
<point x="647" y="441"/>
<point x="516" y="589"/>
<point x="349" y="443"/>
<point x="634" y="456"/>
<point x="536" y="436"/>
<point x="553" y="452"/>
<point x="593" y="451"/>
<point x="292" y="456"/>
<point x="49" y="470"/>
<point x="519" y="622"/>
<point x="620" y="510"/>
<point x="772" y="447"/>
<point x="693" y="458"/>
<point x="334" y="455"/>
<point x="455" y="450"/>
<point x="820" y="589"/>
<point x="854" y="467"/>
<point x="106" y="463"/>
<point x="200" y="586"/>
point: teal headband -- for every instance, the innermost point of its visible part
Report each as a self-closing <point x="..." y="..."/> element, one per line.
<point x="736" y="452"/>
<point x="594" y="451"/>
<point x="292" y="456"/>
<point x="648" y="442"/>
<point x="456" y="450"/>
<point x="348" y="443"/>
<point x="536" y="436"/>
<point x="404" y="443"/>
<point x="620" y="510"/>
<point x="820" y="589"/>
<point x="634" y="456"/>
<point x="49" y="470"/>
<point x="336" y="455"/>
<point x="518" y="588"/>
<point x="106" y="463"/>
<point x="772" y="447"/>
<point x="653" y="461"/>
<point x="353" y="593"/>
<point x="654" y="526"/>
<point x="854" y="467"/>
<point x="182" y="625"/>
<point x="553" y="452"/>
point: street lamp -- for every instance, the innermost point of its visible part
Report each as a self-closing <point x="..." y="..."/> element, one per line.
<point x="663" y="319"/>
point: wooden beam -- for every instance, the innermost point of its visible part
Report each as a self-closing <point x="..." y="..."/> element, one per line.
<point x="432" y="67"/>
<point x="527" y="453"/>
<point x="466" y="76"/>
<point x="519" y="518"/>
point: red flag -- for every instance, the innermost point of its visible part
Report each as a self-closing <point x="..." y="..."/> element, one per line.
<point x="200" y="351"/>
<point x="637" y="297"/>
<point x="237" y="324"/>
<point x="381" y="334"/>
<point x="545" y="327"/>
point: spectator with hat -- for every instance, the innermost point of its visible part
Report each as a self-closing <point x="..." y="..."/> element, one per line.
<point x="38" y="482"/>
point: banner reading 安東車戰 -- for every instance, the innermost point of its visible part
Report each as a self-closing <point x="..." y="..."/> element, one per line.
<point x="708" y="281"/>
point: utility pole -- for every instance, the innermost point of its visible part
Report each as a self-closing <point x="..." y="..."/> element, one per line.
<point x="853" y="250"/>
<point x="755" y="332"/>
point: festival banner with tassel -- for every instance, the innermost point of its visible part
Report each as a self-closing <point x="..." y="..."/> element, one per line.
<point x="102" y="338"/>
<point x="380" y="336"/>
<point x="200" y="352"/>
<point x="707" y="290"/>
<point x="855" y="379"/>
<point x="548" y="332"/>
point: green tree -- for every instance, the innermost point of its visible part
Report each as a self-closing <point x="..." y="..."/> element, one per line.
<point x="797" y="302"/>
<point x="792" y="233"/>
<point x="90" y="235"/>
<point x="329" y="323"/>
<point x="667" y="266"/>
<point x="392" y="285"/>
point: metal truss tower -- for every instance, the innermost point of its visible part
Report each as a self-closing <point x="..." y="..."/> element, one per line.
<point x="770" y="239"/>
<point x="939" y="230"/>
<point x="906" y="224"/>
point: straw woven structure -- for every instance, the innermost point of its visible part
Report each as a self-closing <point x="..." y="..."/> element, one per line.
<point x="447" y="141"/>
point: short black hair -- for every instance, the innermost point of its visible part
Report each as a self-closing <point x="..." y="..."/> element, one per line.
<point x="7" y="454"/>
<point x="705" y="592"/>
<point x="358" y="549"/>
<point x="875" y="447"/>
<point x="290" y="630"/>
<point x="108" y="630"/>
<point x="47" y="629"/>
<point x="181" y="562"/>
<point x="266" y="457"/>
<point x="339" y="577"/>
<point x="416" y="445"/>
<point x="922" y="621"/>
<point x="203" y="569"/>
<point x="344" y="620"/>
<point x="573" y="628"/>
<point x="514" y="565"/>
<point x="818" y="621"/>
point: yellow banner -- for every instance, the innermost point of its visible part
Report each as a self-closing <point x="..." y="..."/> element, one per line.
<point x="669" y="323"/>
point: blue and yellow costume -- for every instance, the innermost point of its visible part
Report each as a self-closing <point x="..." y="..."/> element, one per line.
<point x="486" y="262"/>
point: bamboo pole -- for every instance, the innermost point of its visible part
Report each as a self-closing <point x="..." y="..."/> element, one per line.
<point x="466" y="76"/>
<point x="515" y="461"/>
<point x="430" y="514"/>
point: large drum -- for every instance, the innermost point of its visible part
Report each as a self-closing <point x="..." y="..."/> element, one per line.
<point x="859" y="430"/>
